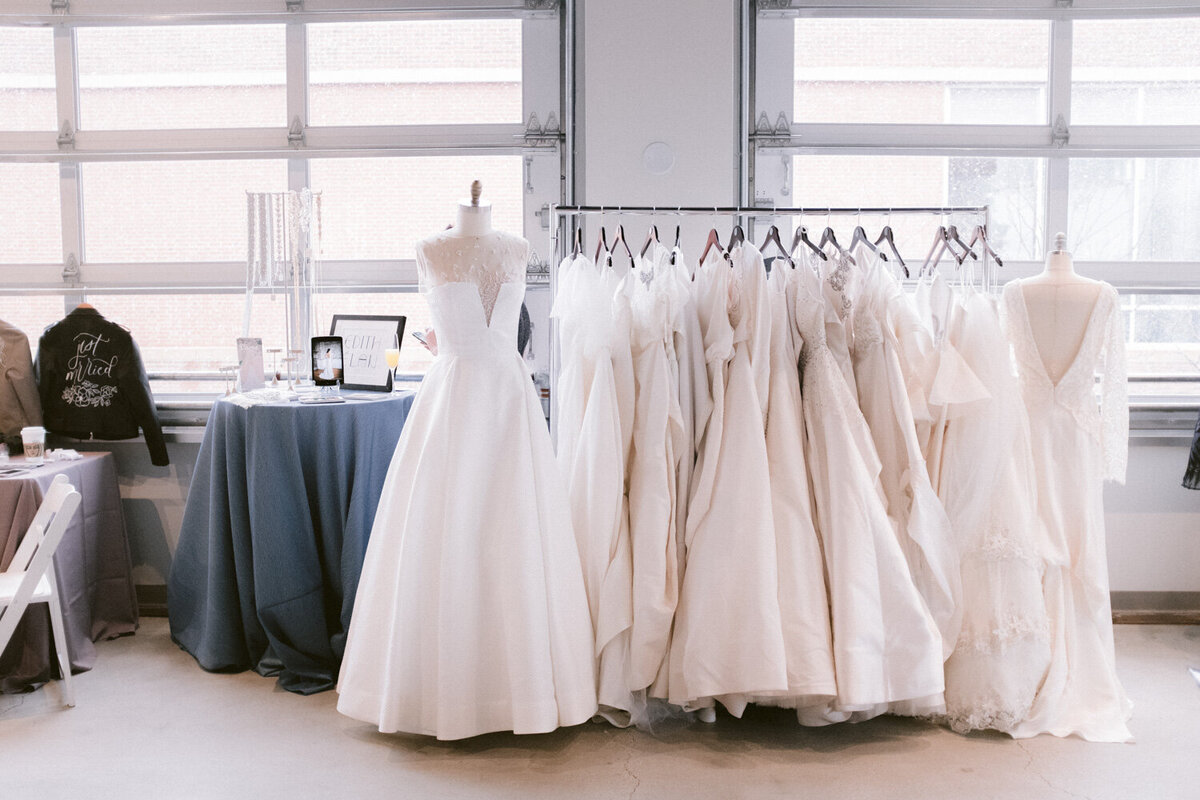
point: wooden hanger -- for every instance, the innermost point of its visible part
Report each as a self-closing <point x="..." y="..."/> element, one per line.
<point x="622" y="241"/>
<point x="860" y="237"/>
<point x="773" y="238"/>
<point x="829" y="237"/>
<point x="802" y="236"/>
<point x="736" y="236"/>
<point x="602" y="245"/>
<point x="651" y="238"/>
<point x="713" y="240"/>
<point x="979" y="235"/>
<point x="577" y="245"/>
<point x="887" y="236"/>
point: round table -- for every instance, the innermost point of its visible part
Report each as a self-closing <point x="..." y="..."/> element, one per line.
<point x="274" y="532"/>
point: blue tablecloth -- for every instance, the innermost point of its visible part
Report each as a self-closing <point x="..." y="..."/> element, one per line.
<point x="274" y="533"/>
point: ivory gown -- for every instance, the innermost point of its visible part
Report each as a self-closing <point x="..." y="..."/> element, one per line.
<point x="1080" y="440"/>
<point x="471" y="614"/>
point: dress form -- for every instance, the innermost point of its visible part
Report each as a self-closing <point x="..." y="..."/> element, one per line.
<point x="474" y="217"/>
<point x="1060" y="304"/>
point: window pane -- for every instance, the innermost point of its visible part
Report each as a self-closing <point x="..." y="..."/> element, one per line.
<point x="376" y="208"/>
<point x="172" y="210"/>
<point x="30" y="214"/>
<point x="921" y="71"/>
<point x="400" y="73"/>
<point x="27" y="80"/>
<point x="31" y="314"/>
<point x="1134" y="209"/>
<point x="1135" y="72"/>
<point x="185" y="76"/>
<point x="194" y="332"/>
<point x="412" y="305"/>
<point x="1012" y="188"/>
<point x="1163" y="338"/>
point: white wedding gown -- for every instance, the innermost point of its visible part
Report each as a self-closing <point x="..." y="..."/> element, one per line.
<point x="1079" y="441"/>
<point x="471" y="614"/>
<point x="886" y="646"/>
<point x="990" y="492"/>
<point x="727" y="644"/>
<point x="590" y="454"/>
<point x="922" y="527"/>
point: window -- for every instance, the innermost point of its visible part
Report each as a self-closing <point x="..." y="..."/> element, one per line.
<point x="27" y="80"/>
<point x="387" y="116"/>
<point x="1011" y="188"/>
<point x="1057" y="117"/>
<point x="919" y="70"/>
<point x="1135" y="72"/>
<point x="183" y="76"/>
<point x="377" y="208"/>
<point x="171" y="211"/>
<point x="405" y="73"/>
<point x="30" y="224"/>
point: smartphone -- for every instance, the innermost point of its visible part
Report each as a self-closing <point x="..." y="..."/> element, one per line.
<point x="420" y="337"/>
<point x="327" y="360"/>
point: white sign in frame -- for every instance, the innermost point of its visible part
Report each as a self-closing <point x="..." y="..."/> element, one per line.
<point x="365" y="337"/>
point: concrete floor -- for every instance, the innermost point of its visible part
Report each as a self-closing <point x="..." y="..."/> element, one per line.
<point x="150" y="723"/>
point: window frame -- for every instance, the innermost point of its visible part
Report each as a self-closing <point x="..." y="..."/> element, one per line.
<point x="774" y="136"/>
<point x="296" y="141"/>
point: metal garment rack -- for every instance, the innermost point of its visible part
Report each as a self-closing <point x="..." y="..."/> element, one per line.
<point x="561" y="232"/>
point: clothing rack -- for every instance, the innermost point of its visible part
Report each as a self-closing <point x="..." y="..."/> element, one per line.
<point x="561" y="231"/>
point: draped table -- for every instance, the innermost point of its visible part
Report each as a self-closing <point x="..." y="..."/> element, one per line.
<point x="92" y="566"/>
<point x="274" y="532"/>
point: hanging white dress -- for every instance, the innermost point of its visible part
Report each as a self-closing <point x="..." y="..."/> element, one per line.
<point x="990" y="492"/>
<point x="803" y="600"/>
<point x="922" y="527"/>
<point x="1078" y="443"/>
<point x="590" y="454"/>
<point x="952" y="386"/>
<point x="886" y="645"/>
<point x="657" y="433"/>
<point x="728" y="640"/>
<point x="471" y="614"/>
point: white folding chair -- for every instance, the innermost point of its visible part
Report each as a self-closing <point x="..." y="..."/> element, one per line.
<point x="30" y="576"/>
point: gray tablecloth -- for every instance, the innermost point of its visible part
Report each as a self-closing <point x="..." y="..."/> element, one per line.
<point x="274" y="533"/>
<point x="95" y="578"/>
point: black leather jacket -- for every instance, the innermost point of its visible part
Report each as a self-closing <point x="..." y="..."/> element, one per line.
<point x="93" y="384"/>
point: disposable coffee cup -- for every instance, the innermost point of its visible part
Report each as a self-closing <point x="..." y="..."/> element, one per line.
<point x="34" y="440"/>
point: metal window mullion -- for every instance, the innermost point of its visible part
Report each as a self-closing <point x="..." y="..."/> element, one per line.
<point x="296" y="60"/>
<point x="1058" y="167"/>
<point x="66" y="89"/>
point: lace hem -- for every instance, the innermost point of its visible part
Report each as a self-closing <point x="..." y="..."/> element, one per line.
<point x="1005" y="632"/>
<point x="992" y="715"/>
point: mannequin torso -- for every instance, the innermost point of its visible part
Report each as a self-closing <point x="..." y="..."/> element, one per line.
<point x="1059" y="303"/>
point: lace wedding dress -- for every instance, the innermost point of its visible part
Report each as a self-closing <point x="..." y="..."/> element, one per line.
<point x="471" y="614"/>
<point x="886" y="646"/>
<point x="1079" y="441"/>
<point x="990" y="493"/>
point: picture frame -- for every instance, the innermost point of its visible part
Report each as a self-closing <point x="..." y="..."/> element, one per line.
<point x="365" y="337"/>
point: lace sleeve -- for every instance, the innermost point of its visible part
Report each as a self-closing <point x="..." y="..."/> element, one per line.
<point x="1114" y="398"/>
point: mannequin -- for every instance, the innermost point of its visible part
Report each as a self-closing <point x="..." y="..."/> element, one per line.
<point x="473" y="221"/>
<point x="1060" y="303"/>
<point x="474" y="218"/>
